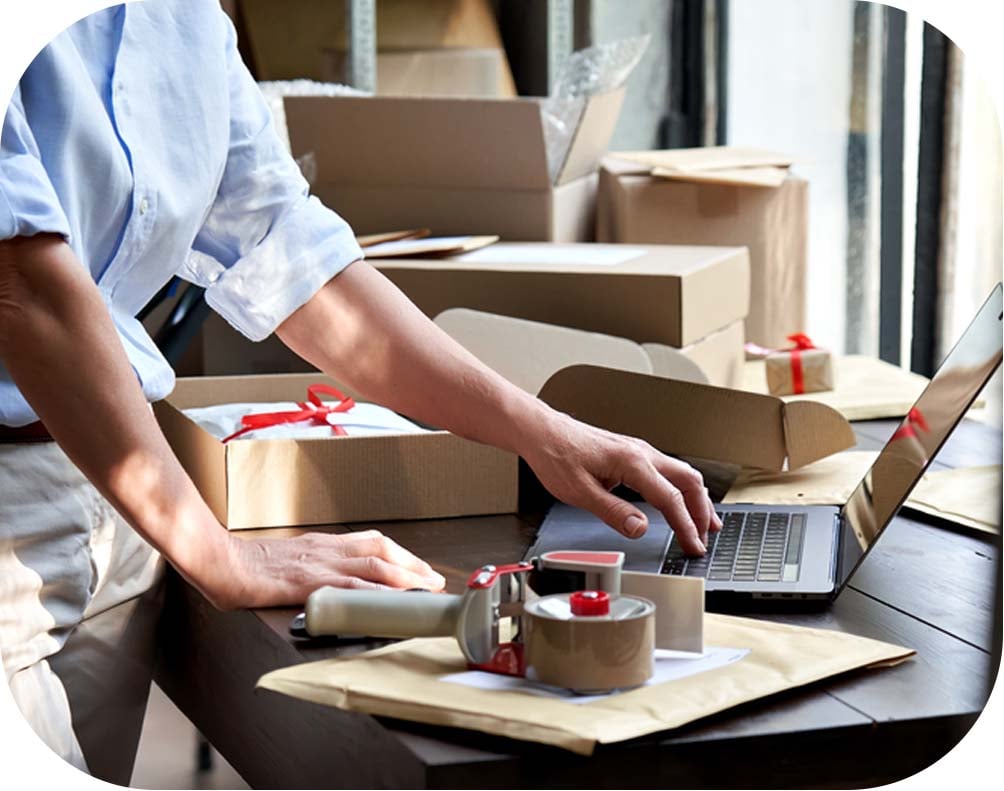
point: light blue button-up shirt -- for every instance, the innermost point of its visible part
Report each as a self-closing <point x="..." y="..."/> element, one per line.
<point x="139" y="135"/>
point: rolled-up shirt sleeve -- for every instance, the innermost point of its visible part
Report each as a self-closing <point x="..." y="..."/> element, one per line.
<point x="266" y="246"/>
<point x="28" y="203"/>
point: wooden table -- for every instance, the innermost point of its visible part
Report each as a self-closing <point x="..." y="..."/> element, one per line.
<point x="927" y="586"/>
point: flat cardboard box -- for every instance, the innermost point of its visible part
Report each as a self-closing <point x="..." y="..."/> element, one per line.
<point x="454" y="166"/>
<point x="649" y="294"/>
<point x="472" y="73"/>
<point x="280" y="482"/>
<point x="289" y="40"/>
<point x="636" y="207"/>
<point x="528" y="353"/>
<point x="700" y="421"/>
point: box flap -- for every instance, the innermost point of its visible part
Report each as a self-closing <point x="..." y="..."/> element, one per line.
<point x="528" y="353"/>
<point x="814" y="430"/>
<point x="591" y="139"/>
<point x="696" y="420"/>
<point x="743" y="177"/>
<point x="420" y="142"/>
<point x="707" y="158"/>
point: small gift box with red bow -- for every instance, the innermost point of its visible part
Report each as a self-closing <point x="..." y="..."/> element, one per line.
<point x="803" y="368"/>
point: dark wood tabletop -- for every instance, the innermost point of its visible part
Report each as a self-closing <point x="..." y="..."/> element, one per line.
<point x="929" y="585"/>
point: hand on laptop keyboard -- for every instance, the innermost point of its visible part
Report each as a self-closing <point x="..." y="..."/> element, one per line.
<point x="580" y="465"/>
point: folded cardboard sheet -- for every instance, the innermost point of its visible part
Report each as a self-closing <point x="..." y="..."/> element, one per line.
<point x="865" y="388"/>
<point x="969" y="496"/>
<point x="528" y="353"/>
<point x="700" y="421"/>
<point x="405" y="680"/>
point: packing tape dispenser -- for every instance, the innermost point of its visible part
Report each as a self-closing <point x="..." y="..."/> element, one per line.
<point x="584" y="635"/>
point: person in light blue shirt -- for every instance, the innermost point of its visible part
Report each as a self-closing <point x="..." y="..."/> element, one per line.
<point x="137" y="148"/>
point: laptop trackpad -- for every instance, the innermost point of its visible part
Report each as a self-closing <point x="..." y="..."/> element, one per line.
<point x="567" y="528"/>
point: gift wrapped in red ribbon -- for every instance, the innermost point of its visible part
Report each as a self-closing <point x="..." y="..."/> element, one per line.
<point x="803" y="368"/>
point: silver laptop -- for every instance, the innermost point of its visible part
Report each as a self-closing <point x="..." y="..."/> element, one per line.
<point x="784" y="552"/>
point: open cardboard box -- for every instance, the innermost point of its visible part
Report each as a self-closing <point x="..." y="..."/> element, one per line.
<point x="647" y="293"/>
<point x="616" y="384"/>
<point x="700" y="421"/>
<point x="453" y="165"/>
<point x="279" y="482"/>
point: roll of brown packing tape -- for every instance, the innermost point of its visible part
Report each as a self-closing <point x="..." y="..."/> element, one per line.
<point x="590" y="653"/>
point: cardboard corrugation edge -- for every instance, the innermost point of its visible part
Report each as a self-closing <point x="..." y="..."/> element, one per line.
<point x="698" y="420"/>
<point x="201" y="455"/>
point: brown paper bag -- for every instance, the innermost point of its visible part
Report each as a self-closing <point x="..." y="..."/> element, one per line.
<point x="403" y="681"/>
<point x="796" y="371"/>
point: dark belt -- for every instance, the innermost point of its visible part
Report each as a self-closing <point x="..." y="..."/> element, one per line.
<point x="33" y="432"/>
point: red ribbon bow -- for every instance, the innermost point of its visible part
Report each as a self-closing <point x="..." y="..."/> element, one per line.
<point x="802" y="343"/>
<point x="314" y="409"/>
<point x="914" y="419"/>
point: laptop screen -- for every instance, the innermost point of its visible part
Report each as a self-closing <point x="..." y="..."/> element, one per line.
<point x="917" y="440"/>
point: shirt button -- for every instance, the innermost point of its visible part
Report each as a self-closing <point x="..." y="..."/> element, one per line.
<point x="144" y="206"/>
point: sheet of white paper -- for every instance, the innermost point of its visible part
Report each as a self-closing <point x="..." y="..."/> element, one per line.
<point x="669" y="666"/>
<point x="222" y="420"/>
<point x="571" y="254"/>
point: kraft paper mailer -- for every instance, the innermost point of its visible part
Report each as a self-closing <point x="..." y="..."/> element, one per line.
<point x="865" y="388"/>
<point x="828" y="481"/>
<point x="403" y="681"/>
<point x="970" y="496"/>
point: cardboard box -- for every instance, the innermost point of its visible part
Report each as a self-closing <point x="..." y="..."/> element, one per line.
<point x="610" y="382"/>
<point x="278" y="482"/>
<point x="650" y="294"/>
<point x="634" y="206"/>
<point x="454" y="166"/>
<point x="291" y="40"/>
<point x="474" y="73"/>
<point x="528" y="353"/>
<point x="700" y="421"/>
<point x="720" y="356"/>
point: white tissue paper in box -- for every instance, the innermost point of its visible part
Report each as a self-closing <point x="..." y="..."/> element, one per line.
<point x="222" y="420"/>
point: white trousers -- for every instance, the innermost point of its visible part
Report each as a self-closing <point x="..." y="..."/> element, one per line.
<point x="79" y="600"/>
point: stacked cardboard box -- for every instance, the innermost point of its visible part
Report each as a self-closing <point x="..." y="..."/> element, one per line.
<point x="454" y="166"/>
<point x="674" y="300"/>
<point x="726" y="196"/>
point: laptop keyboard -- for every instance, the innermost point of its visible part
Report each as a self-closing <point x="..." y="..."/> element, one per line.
<point x="752" y="546"/>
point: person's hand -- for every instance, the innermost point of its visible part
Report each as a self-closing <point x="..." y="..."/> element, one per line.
<point x="273" y="572"/>
<point x="579" y="464"/>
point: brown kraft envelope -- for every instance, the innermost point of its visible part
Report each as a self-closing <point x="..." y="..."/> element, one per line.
<point x="403" y="681"/>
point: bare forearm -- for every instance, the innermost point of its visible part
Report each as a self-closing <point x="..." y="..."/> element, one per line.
<point x="364" y="332"/>
<point x="58" y="342"/>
